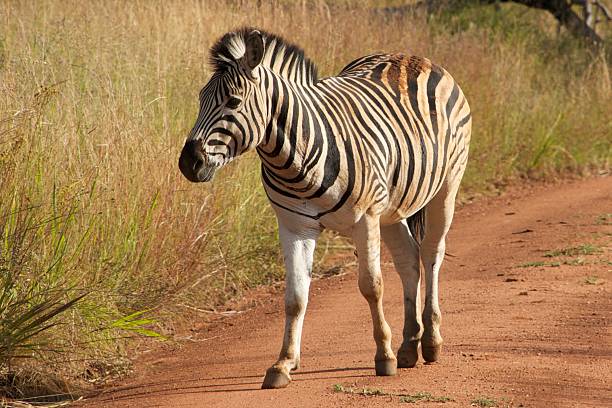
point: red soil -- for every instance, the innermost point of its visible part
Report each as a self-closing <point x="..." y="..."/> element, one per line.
<point x="522" y="336"/>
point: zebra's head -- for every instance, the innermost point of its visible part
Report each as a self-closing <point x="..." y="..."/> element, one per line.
<point x="232" y="107"/>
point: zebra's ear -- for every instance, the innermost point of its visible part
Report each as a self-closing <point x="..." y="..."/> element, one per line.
<point x="254" y="50"/>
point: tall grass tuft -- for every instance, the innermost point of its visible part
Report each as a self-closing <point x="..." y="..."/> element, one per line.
<point x="96" y="99"/>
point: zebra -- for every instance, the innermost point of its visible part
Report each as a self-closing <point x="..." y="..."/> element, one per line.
<point x="375" y="153"/>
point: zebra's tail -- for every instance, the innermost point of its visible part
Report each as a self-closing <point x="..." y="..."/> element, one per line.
<point x="416" y="225"/>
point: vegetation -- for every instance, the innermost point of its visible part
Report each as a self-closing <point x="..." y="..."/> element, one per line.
<point x="484" y="402"/>
<point x="403" y="397"/>
<point x="538" y="263"/>
<point x="567" y="12"/>
<point x="99" y="233"/>
<point x="585" y="249"/>
<point x="572" y="256"/>
<point x="423" y="396"/>
<point x="592" y="280"/>
<point x="604" y="219"/>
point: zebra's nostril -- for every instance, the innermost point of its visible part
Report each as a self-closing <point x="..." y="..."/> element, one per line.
<point x="192" y="160"/>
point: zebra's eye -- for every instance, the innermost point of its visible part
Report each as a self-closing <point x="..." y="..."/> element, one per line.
<point x="233" y="102"/>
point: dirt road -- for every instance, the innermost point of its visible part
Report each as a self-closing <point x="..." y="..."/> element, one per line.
<point x="526" y="320"/>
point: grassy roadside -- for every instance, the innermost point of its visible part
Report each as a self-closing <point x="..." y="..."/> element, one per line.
<point x="100" y="234"/>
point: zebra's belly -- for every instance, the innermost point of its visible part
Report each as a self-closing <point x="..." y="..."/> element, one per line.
<point x="339" y="208"/>
<point x="401" y="207"/>
<point x="310" y="214"/>
<point x="317" y="212"/>
<point x="393" y="215"/>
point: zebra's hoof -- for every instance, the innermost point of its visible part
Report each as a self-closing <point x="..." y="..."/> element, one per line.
<point x="431" y="354"/>
<point x="408" y="355"/>
<point x="275" y="378"/>
<point x="386" y="367"/>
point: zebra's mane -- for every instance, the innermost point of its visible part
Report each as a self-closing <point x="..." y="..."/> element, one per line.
<point x="282" y="57"/>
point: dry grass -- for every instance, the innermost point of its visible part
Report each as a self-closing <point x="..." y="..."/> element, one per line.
<point x="97" y="97"/>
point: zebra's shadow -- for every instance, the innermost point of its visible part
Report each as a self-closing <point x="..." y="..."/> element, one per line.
<point x="240" y="383"/>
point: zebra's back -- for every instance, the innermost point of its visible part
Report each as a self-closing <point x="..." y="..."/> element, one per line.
<point x="412" y="127"/>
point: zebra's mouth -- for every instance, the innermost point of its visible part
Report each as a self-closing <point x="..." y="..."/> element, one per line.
<point x="205" y="173"/>
<point x="193" y="163"/>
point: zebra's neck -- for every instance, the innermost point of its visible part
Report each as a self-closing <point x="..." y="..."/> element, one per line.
<point x="292" y="144"/>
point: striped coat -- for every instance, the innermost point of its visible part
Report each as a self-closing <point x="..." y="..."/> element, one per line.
<point x="376" y="152"/>
<point x="384" y="134"/>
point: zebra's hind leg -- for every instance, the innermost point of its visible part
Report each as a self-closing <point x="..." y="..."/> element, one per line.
<point x="298" y="249"/>
<point x="366" y="235"/>
<point x="438" y="218"/>
<point x="405" y="253"/>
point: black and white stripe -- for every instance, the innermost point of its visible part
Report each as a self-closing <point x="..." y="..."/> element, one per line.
<point x="384" y="141"/>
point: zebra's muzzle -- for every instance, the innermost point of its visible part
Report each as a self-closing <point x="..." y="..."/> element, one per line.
<point x="193" y="164"/>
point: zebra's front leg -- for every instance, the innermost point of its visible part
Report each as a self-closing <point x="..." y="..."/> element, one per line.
<point x="366" y="235"/>
<point x="298" y="250"/>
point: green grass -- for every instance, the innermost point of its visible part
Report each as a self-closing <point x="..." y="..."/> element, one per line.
<point x="93" y="117"/>
<point x="402" y="397"/>
<point x="423" y="396"/>
<point x="360" y="391"/>
<point x="592" y="280"/>
<point x="538" y="263"/>
<point x="582" y="250"/>
<point x="585" y="249"/>
<point x="484" y="401"/>
<point x="604" y="219"/>
<point x="569" y="262"/>
<point x="575" y="262"/>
